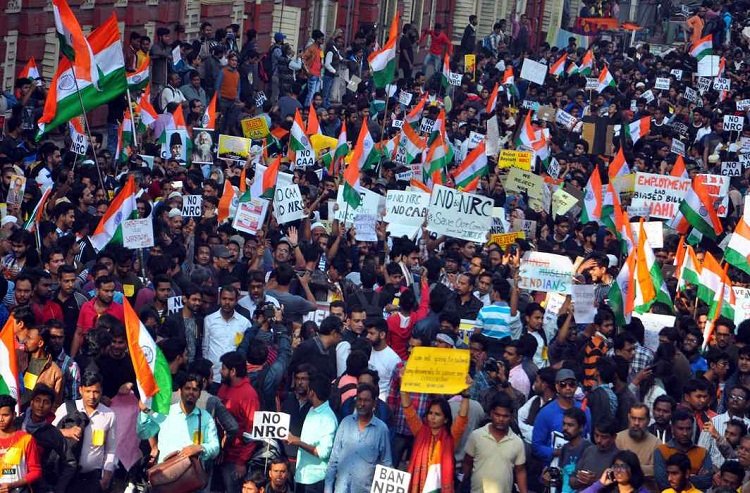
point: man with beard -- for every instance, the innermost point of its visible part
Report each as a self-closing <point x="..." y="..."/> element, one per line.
<point x="186" y="428"/>
<point x="41" y="301"/>
<point x="202" y="148"/>
<point x="638" y="439"/>
<point x="691" y="349"/>
<point x="573" y="424"/>
<point x="70" y="370"/>
<point x="664" y="406"/>
<point x="242" y="402"/>
<point x="187" y="324"/>
<point x="682" y="443"/>
<point x="297" y="404"/>
<point x="714" y="434"/>
<point x="103" y="303"/>
<point x="495" y="454"/>
<point x="256" y="294"/>
<point x="41" y="368"/>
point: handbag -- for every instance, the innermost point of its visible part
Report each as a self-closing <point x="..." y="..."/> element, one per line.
<point x="179" y="473"/>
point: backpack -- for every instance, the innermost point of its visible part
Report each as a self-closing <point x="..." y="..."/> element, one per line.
<point x="73" y="418"/>
<point x="265" y="66"/>
<point x="334" y="398"/>
<point x="487" y="43"/>
<point x="371" y="307"/>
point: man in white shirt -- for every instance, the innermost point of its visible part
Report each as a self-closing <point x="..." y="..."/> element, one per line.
<point x="223" y="330"/>
<point x="171" y="92"/>
<point x="383" y="359"/>
<point x="256" y="294"/>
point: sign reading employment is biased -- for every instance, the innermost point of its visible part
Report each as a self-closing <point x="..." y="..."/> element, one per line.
<point x="431" y="370"/>
<point x="462" y="215"/>
<point x="546" y="272"/>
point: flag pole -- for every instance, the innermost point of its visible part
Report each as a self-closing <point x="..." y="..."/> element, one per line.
<point x="132" y="119"/>
<point x="87" y="127"/>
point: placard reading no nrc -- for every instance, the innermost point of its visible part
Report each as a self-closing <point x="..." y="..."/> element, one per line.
<point x="270" y="425"/>
<point x="191" y="205"/>
<point x="733" y="123"/>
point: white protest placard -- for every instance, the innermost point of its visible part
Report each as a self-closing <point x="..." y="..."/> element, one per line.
<point x="722" y="84"/>
<point x="530" y="105"/>
<point x="733" y="123"/>
<point x="389" y="480"/>
<point x="176" y="55"/>
<point x="555" y="302"/>
<point x="397" y="123"/>
<point x="462" y="215"/>
<point x="742" y="305"/>
<point x="592" y="84"/>
<point x="533" y="71"/>
<point x="369" y="205"/>
<point x="717" y="187"/>
<point x="677" y="73"/>
<point x="79" y="143"/>
<point x="365" y="227"/>
<point x="260" y="99"/>
<point x="353" y="83"/>
<point x="405" y="212"/>
<point x="405" y="98"/>
<point x="138" y="233"/>
<point x="565" y="119"/>
<point x="708" y="66"/>
<point x="268" y="424"/>
<point x="648" y="96"/>
<point x="475" y="139"/>
<point x="287" y="204"/>
<point x="404" y="175"/>
<point x="390" y="89"/>
<point x="546" y="272"/>
<point x="690" y="94"/>
<point x="660" y="194"/>
<point x="426" y="125"/>
<point x="678" y="147"/>
<point x="744" y="160"/>
<point x="743" y="105"/>
<point x="731" y="168"/>
<point x="250" y="215"/>
<point x="584" y="302"/>
<point x="704" y="84"/>
<point x="191" y="205"/>
<point x="454" y="79"/>
<point x="654" y="233"/>
<point x="662" y="83"/>
<point x="174" y="304"/>
<point x="653" y="323"/>
<point x="304" y="158"/>
<point x="562" y="202"/>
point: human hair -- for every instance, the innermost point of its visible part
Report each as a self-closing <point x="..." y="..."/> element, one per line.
<point x="172" y="347"/>
<point x="366" y="387"/>
<point x="321" y="386"/>
<point x="331" y="325"/>
<point x="376" y="323"/>
<point x="356" y="363"/>
<point x="637" y="478"/>
<point x="547" y="376"/>
<point x="284" y="274"/>
<point x="502" y="400"/>
<point x="8" y="401"/>
<point x="91" y="378"/>
<point x="234" y="360"/>
<point x="202" y="367"/>
<point x="607" y="426"/>
<point x="450" y="317"/>
<point x="695" y="385"/>
<point x="681" y="461"/>
<point x="680" y="415"/>
<point x="24" y="315"/>
<point x="576" y="414"/>
<point x="622" y="339"/>
<point x="192" y="377"/>
<point x="607" y="369"/>
<point x="640" y="405"/>
<point x="733" y="467"/>
<point x="666" y="399"/>
<point x="445" y="408"/>
<point x="45" y="390"/>
<point x="257" y="353"/>
<point x="502" y="288"/>
<point x="102" y="280"/>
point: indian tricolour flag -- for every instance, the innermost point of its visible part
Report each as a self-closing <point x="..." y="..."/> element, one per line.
<point x="621" y="296"/>
<point x="208" y="120"/>
<point x="383" y="62"/>
<point x="414" y="117"/>
<point x="29" y="71"/>
<point x="342" y="149"/>
<point x="73" y="44"/>
<point x="618" y="166"/>
<point x="473" y="167"/>
<point x="139" y="79"/>
<point x="587" y="63"/>
<point x="412" y="143"/>
<point x="313" y="125"/>
<point x="351" y="174"/>
<point x="527" y="134"/>
<point x="689" y="271"/>
<point x="152" y="375"/>
<point x="265" y="179"/>
<point x="8" y="362"/>
<point x="145" y="111"/>
<point x="298" y="141"/>
<point x="62" y="102"/>
<point x="594" y="198"/>
<point x="702" y="47"/>
<point x="679" y="168"/>
<point x="737" y="252"/>
<point x="711" y="278"/>
<point x="650" y="285"/>
<point x="446" y="74"/>
<point x="724" y="300"/>
<point x="558" y="68"/>
<point x="605" y="80"/>
<point x="36" y="215"/>
<point x="119" y="210"/>
<point x="125" y="138"/>
<point x="492" y="100"/>
<point x="698" y="210"/>
<point x="639" y="128"/>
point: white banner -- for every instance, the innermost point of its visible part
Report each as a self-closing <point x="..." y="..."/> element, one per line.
<point x="191" y="205"/>
<point x="661" y="194"/>
<point x="459" y="214"/>
<point x="138" y="233"/>
<point x="250" y="215"/>
<point x="405" y="212"/>
<point x="287" y="204"/>
<point x="546" y="272"/>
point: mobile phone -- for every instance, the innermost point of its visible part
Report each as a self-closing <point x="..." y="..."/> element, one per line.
<point x="611" y="475"/>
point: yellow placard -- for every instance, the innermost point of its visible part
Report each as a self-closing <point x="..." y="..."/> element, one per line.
<point x="255" y="128"/>
<point x="128" y="290"/>
<point x="504" y="239"/>
<point x="29" y="380"/>
<point x="470" y="65"/>
<point x="514" y="159"/>
<point x="562" y="202"/>
<point x="431" y="370"/>
<point x="97" y="438"/>
<point x="12" y="456"/>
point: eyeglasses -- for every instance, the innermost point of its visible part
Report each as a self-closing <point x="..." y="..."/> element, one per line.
<point x="620" y="467"/>
<point x="568" y="383"/>
<point x="734" y="397"/>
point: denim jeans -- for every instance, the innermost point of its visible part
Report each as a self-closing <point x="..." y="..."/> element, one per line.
<point x="327" y="86"/>
<point x="232" y="481"/>
<point x="313" y="86"/>
<point x="431" y="62"/>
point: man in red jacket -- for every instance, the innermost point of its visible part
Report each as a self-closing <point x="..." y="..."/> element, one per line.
<point x="241" y="401"/>
<point x="439" y="43"/>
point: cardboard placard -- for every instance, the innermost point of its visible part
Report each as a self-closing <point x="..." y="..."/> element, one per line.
<point x="270" y="425"/>
<point x="431" y="370"/>
<point x="504" y="239"/>
<point x="661" y="83"/>
<point x="584" y="303"/>
<point x="661" y="194"/>
<point x="397" y="123"/>
<point x="250" y="215"/>
<point x="405" y="97"/>
<point x="731" y="168"/>
<point x="733" y="123"/>
<point x="654" y="233"/>
<point x="533" y="71"/>
<point x="288" y="204"/>
<point x="304" y="158"/>
<point x="454" y="79"/>
<point x="389" y="480"/>
<point x="677" y="73"/>
<point x="678" y="147"/>
<point x="260" y="99"/>
<point x="138" y="233"/>
<point x="462" y="215"/>
<point x="717" y="187"/>
<point x="255" y="128"/>
<point x="546" y="272"/>
<point x="175" y="145"/>
<point x="690" y="94"/>
<point x="565" y="119"/>
<point x="708" y="66"/>
<point x="722" y="84"/>
<point x="592" y="84"/>
<point x="743" y="105"/>
<point x="518" y="159"/>
<point x="16" y="190"/>
<point x="704" y="84"/>
<point x="405" y="212"/>
<point x="191" y="205"/>
<point x="233" y="148"/>
<point x="648" y="96"/>
<point x="426" y="125"/>
<point x="203" y="146"/>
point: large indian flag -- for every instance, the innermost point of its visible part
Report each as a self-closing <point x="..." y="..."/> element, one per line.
<point x="472" y="168"/>
<point x="738" y="249"/>
<point x="698" y="209"/>
<point x="639" y="128"/>
<point x="152" y="373"/>
<point x="712" y="276"/>
<point x="383" y="62"/>
<point x="265" y="179"/>
<point x="8" y="362"/>
<point x="605" y="80"/>
<point x="650" y="285"/>
<point x="702" y="47"/>
<point x="138" y="79"/>
<point x="622" y="294"/>
<point x="62" y="102"/>
<point x="119" y="210"/>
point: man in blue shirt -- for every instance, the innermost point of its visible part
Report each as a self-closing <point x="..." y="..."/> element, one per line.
<point x="186" y="428"/>
<point x="550" y="417"/>
<point x="362" y="442"/>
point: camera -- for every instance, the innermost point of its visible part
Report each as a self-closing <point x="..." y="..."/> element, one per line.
<point x="555" y="479"/>
<point x="267" y="309"/>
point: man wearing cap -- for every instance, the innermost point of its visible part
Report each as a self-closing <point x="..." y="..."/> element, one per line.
<point x="277" y="54"/>
<point x="221" y="256"/>
<point x="550" y="417"/>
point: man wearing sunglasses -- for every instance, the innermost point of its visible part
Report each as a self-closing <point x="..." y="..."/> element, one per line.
<point x="550" y="417"/>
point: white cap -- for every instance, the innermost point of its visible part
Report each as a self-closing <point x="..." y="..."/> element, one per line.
<point x="175" y="212"/>
<point x="9" y="220"/>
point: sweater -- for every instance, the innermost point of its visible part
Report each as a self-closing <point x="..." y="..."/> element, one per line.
<point x="644" y="449"/>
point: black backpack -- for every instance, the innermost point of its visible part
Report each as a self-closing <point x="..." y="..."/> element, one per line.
<point x="334" y="398"/>
<point x="372" y="306"/>
<point x="73" y="418"/>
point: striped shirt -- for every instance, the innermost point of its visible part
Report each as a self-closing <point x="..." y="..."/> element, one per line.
<point x="497" y="322"/>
